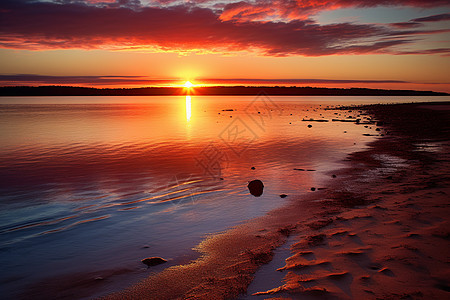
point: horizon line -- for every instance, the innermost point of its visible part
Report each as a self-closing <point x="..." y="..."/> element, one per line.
<point x="192" y="91"/>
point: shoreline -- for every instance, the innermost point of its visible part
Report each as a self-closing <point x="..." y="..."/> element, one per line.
<point x="390" y="241"/>
<point x="229" y="260"/>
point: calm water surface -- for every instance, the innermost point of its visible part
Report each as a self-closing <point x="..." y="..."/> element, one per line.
<point x="91" y="185"/>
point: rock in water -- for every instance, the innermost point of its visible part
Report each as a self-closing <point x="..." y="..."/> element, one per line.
<point x="256" y="187"/>
<point x="153" y="261"/>
<point x="283" y="196"/>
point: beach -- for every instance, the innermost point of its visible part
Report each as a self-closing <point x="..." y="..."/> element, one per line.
<point x="378" y="229"/>
<point x="265" y="149"/>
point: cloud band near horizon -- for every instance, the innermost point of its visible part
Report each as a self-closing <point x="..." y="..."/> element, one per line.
<point x="127" y="25"/>
<point x="34" y="80"/>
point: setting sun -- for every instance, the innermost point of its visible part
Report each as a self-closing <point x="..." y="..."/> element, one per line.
<point x="188" y="84"/>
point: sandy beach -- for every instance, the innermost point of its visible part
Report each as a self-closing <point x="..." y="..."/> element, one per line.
<point x="378" y="230"/>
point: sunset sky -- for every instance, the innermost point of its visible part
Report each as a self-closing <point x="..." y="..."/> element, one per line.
<point x="401" y="44"/>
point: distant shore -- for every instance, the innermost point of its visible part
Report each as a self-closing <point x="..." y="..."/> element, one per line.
<point x="379" y="229"/>
<point x="207" y="91"/>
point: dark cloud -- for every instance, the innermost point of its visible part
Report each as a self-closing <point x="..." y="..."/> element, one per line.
<point x="442" y="51"/>
<point x="44" y="25"/>
<point x="406" y="24"/>
<point x="419" y="21"/>
<point x="435" y="18"/>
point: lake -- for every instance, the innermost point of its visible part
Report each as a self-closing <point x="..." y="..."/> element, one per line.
<point x="91" y="185"/>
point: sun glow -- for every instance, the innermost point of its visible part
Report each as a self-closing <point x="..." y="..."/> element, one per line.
<point x="188" y="84"/>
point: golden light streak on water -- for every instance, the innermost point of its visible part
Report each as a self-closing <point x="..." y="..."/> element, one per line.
<point x="188" y="108"/>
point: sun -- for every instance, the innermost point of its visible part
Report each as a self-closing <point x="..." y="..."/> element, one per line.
<point x="188" y="84"/>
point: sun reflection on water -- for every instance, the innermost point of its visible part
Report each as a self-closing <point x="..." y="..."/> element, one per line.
<point x="188" y="108"/>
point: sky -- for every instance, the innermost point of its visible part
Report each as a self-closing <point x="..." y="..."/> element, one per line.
<point x="403" y="44"/>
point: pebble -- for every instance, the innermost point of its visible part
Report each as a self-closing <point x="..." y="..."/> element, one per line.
<point x="153" y="261"/>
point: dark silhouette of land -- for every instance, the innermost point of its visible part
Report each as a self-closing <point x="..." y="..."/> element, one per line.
<point x="216" y="91"/>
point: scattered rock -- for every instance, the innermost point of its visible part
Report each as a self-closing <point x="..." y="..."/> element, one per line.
<point x="252" y="168"/>
<point x="256" y="187"/>
<point x="334" y="176"/>
<point x="153" y="261"/>
<point x="309" y="126"/>
<point x="313" y="189"/>
<point x="283" y="196"/>
<point x="228" y="109"/>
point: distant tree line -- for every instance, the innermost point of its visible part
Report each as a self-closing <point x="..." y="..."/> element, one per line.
<point x="215" y="90"/>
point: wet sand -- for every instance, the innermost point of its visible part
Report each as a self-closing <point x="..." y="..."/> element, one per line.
<point x="379" y="229"/>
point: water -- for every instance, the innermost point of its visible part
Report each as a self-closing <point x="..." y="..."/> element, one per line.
<point x="92" y="185"/>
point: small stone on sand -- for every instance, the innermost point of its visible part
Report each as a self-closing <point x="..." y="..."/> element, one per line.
<point x="256" y="187"/>
<point x="153" y="261"/>
<point x="283" y="196"/>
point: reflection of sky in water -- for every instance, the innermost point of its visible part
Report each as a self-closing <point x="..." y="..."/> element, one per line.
<point x="85" y="186"/>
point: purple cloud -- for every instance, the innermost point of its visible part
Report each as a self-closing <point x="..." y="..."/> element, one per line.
<point x="435" y="18"/>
